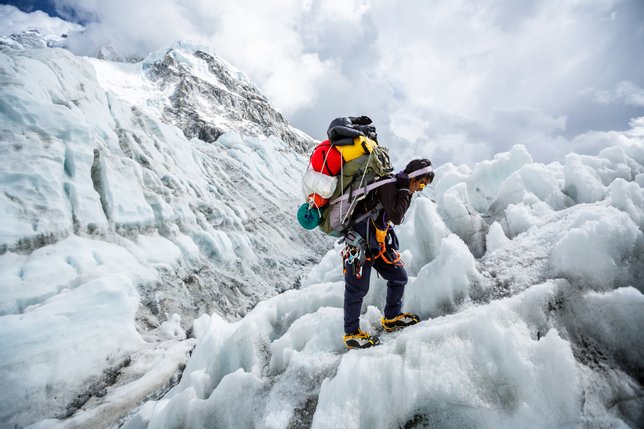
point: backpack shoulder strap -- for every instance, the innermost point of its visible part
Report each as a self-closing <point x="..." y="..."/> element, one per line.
<point x="363" y="190"/>
<point x="374" y="185"/>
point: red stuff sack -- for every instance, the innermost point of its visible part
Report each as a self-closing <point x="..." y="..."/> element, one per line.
<point x="326" y="159"/>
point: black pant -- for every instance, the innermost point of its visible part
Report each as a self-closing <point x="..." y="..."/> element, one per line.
<point x="356" y="289"/>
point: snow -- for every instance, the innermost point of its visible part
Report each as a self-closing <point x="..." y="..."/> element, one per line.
<point x="543" y="329"/>
<point x="497" y="373"/>
<point x="52" y="349"/>
<point x="118" y="232"/>
<point x="444" y="283"/>
<point x="147" y="279"/>
<point x="496" y="238"/>
<point x="126" y="80"/>
<point x="483" y="183"/>
<point x="595" y="249"/>
<point x="496" y="376"/>
<point x="423" y="237"/>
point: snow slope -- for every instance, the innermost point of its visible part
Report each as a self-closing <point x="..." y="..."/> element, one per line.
<point x="528" y="278"/>
<point x="120" y="227"/>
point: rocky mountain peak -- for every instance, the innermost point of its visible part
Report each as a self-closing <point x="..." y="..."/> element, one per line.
<point x="208" y="97"/>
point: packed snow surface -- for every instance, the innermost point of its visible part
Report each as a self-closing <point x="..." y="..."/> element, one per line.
<point x="149" y="208"/>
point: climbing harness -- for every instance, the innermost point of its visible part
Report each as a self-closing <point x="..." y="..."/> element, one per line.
<point x="381" y="237"/>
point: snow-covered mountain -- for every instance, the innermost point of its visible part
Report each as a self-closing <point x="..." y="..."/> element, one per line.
<point x="33" y="39"/>
<point x="122" y="222"/>
<point x="137" y="197"/>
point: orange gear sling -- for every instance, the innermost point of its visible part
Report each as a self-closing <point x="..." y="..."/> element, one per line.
<point x="381" y="235"/>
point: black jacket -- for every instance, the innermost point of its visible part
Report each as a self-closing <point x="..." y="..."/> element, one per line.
<point x="395" y="203"/>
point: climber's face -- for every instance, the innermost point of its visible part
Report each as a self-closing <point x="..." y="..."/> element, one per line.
<point x="418" y="185"/>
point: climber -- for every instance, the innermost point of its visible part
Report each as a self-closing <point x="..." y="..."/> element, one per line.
<point x="372" y="242"/>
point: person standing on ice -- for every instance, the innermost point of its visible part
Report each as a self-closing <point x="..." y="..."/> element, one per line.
<point x="373" y="243"/>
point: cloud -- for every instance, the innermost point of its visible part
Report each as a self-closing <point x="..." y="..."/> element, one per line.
<point x="133" y="28"/>
<point x="14" y="21"/>
<point x="469" y="79"/>
<point x="626" y="92"/>
<point x="459" y="80"/>
<point x="594" y="141"/>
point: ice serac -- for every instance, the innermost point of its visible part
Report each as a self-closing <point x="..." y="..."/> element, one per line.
<point x="532" y="321"/>
<point x="120" y="209"/>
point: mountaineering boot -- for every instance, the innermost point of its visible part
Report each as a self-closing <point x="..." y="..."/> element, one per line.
<point x="400" y="321"/>
<point x="360" y="340"/>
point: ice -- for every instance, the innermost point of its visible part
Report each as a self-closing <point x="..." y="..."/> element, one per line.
<point x="327" y="270"/>
<point x="158" y="250"/>
<point x="614" y="319"/>
<point x="65" y="265"/>
<point x="124" y="244"/>
<point x="534" y="183"/>
<point x="541" y="330"/>
<point x="628" y="197"/>
<point x="519" y="218"/>
<point x="497" y="373"/>
<point x="200" y="326"/>
<point x="494" y="378"/>
<point x="447" y="176"/>
<point x="125" y="205"/>
<point x="460" y="216"/>
<point x="53" y="349"/>
<point x="496" y="238"/>
<point x="583" y="183"/>
<point x="484" y="183"/>
<point x="100" y="192"/>
<point x="422" y="234"/>
<point x="444" y="283"/>
<point x="595" y="249"/>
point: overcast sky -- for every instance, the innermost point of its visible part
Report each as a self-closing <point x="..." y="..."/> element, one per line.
<point x="451" y="80"/>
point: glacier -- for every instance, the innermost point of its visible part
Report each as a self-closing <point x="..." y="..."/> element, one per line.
<point x="153" y="274"/>
<point x="120" y="227"/>
<point x="542" y="330"/>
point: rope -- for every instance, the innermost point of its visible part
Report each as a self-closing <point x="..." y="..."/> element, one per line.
<point x="324" y="164"/>
<point x="355" y="198"/>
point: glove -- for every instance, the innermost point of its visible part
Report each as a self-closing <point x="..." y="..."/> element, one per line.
<point x="402" y="180"/>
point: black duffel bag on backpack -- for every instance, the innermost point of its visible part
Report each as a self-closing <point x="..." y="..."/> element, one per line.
<point x="343" y="130"/>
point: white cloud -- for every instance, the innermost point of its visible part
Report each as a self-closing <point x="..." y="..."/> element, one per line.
<point x="407" y="125"/>
<point x="625" y="92"/>
<point x="474" y="76"/>
<point x="14" y="21"/>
